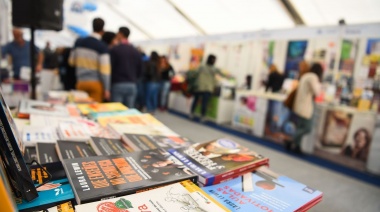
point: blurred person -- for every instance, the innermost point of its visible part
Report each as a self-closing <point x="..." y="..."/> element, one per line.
<point x="275" y="79"/>
<point x="303" y="68"/>
<point x="152" y="78"/>
<point x="360" y="148"/>
<point x="140" y="100"/>
<point x="67" y="71"/>
<point x="308" y="87"/>
<point x="205" y="85"/>
<point x="126" y="66"/>
<point x="90" y="56"/>
<point x="110" y="39"/>
<point x="167" y="73"/>
<point x="19" y="52"/>
<point x="49" y="74"/>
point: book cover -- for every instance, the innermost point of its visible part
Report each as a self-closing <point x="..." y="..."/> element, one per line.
<point x="69" y="131"/>
<point x="142" y="119"/>
<point x="181" y="196"/>
<point x="52" y="121"/>
<point x="107" y="146"/>
<point x="104" y="177"/>
<point x="145" y="142"/>
<point x="33" y="134"/>
<point x="96" y="130"/>
<point x="30" y="154"/>
<point x="86" y="109"/>
<point x="141" y="129"/>
<point x="12" y="156"/>
<point x="63" y="207"/>
<point x="218" y="160"/>
<point x="6" y="196"/>
<point x="28" y="107"/>
<point x="128" y="112"/>
<point x="39" y="175"/>
<point x="271" y="192"/>
<point x="46" y="153"/>
<point x="74" y="149"/>
<point x="50" y="194"/>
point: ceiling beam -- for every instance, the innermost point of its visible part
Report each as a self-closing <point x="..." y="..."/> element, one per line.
<point x="292" y="12"/>
<point x="187" y="18"/>
<point x="130" y="21"/>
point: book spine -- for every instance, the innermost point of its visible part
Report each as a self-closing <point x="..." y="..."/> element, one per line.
<point x="95" y="147"/>
<point x="126" y="140"/>
<point x="235" y="173"/>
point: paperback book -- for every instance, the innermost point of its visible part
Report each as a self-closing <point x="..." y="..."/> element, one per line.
<point x="69" y="131"/>
<point x="104" y="177"/>
<point x="28" y="107"/>
<point x="33" y="134"/>
<point x="30" y="154"/>
<point x="63" y="207"/>
<point x="145" y="142"/>
<point x="128" y="112"/>
<point x="37" y="120"/>
<point x="142" y="119"/>
<point x="140" y="129"/>
<point x="46" y="153"/>
<point x="181" y="196"/>
<point x="86" y="109"/>
<point x="73" y="149"/>
<point x="219" y="160"/>
<point x="39" y="174"/>
<point x="271" y="192"/>
<point x="107" y="146"/>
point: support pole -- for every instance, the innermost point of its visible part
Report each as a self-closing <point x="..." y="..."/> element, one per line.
<point x="33" y="80"/>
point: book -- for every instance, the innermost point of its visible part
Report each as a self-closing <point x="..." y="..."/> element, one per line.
<point x="271" y="192"/>
<point x="142" y="119"/>
<point x="63" y="207"/>
<point x="145" y="142"/>
<point x="86" y="109"/>
<point x="50" y="194"/>
<point x="76" y="96"/>
<point x="12" y="156"/>
<point x="181" y="196"/>
<point x="53" y="121"/>
<point x="73" y="149"/>
<point x="107" y="146"/>
<point x="128" y="112"/>
<point x="70" y="131"/>
<point x="104" y="177"/>
<point x="6" y="197"/>
<point x="46" y="153"/>
<point x="218" y="160"/>
<point x="30" y="154"/>
<point x="39" y="175"/>
<point x="33" y="134"/>
<point x="28" y="107"/>
<point x="140" y="129"/>
<point x="98" y="131"/>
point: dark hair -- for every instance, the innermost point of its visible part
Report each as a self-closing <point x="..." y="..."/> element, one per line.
<point x="124" y="31"/>
<point x="98" y="24"/>
<point x="317" y="69"/>
<point x="367" y="136"/>
<point x="154" y="56"/>
<point x="211" y="59"/>
<point x="108" y="37"/>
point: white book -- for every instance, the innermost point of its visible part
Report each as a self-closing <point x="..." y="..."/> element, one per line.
<point x="42" y="108"/>
<point x="183" y="196"/>
<point x="70" y="131"/>
<point x="141" y="129"/>
<point x="31" y="135"/>
<point x="53" y="121"/>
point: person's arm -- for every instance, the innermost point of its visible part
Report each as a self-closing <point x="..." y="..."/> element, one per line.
<point x="171" y="72"/>
<point x="269" y="83"/>
<point x="315" y="85"/>
<point x="105" y="73"/>
<point x="40" y="60"/>
<point x="4" y="50"/>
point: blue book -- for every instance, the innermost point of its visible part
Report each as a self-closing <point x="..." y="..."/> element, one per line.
<point x="268" y="192"/>
<point x="50" y="194"/>
<point x="128" y="112"/>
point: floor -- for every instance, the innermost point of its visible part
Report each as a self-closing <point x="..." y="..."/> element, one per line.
<point x="341" y="192"/>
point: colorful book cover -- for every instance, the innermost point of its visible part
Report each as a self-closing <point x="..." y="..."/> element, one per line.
<point x="96" y="130"/>
<point x="128" y="112"/>
<point x="46" y="153"/>
<point x="37" y="120"/>
<point x="141" y="129"/>
<point x="33" y="134"/>
<point x="10" y="151"/>
<point x="218" y="160"/>
<point x="39" y="175"/>
<point x="73" y="149"/>
<point x="50" y="194"/>
<point x="145" y="142"/>
<point x="64" y="207"/>
<point x="86" y="109"/>
<point x="69" y="131"/>
<point x="104" y="177"/>
<point x="6" y="196"/>
<point x="30" y="154"/>
<point x="181" y="196"/>
<point x="142" y="119"/>
<point x="107" y="146"/>
<point x="28" y="107"/>
<point x="271" y="192"/>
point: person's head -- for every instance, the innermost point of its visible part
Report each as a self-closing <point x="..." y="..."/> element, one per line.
<point x="109" y="38"/>
<point x="273" y="68"/>
<point x="164" y="63"/>
<point x="362" y="138"/>
<point x="154" y="57"/>
<point x="98" y="25"/>
<point x="266" y="185"/>
<point x="317" y="69"/>
<point x="211" y="59"/>
<point x="303" y="67"/>
<point x="18" y="35"/>
<point x="47" y="44"/>
<point x="123" y="33"/>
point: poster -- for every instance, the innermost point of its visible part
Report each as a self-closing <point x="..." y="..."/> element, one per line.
<point x="266" y="59"/>
<point x="196" y="58"/>
<point x="348" y="53"/>
<point x="371" y="58"/>
<point x="295" y="54"/>
<point x="237" y="62"/>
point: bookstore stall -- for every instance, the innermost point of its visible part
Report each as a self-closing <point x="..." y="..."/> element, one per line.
<point x="348" y="105"/>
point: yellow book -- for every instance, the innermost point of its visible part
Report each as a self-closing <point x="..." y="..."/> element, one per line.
<point x="85" y="109"/>
<point x="364" y="105"/>
<point x="6" y="200"/>
<point x="141" y="119"/>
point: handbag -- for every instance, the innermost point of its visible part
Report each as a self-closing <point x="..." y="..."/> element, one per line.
<point x="289" y="101"/>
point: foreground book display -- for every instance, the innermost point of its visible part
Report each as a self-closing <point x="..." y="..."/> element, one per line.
<point x="270" y="192"/>
<point x="182" y="196"/>
<point x="219" y="160"/>
<point x="100" y="177"/>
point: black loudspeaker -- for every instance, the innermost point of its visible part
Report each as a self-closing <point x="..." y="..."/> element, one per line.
<point x="40" y="14"/>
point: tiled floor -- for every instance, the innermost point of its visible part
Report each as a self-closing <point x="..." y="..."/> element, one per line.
<point x="341" y="192"/>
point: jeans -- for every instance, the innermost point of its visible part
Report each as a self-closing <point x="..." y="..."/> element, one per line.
<point x="151" y="96"/>
<point x="205" y="96"/>
<point x="303" y="127"/>
<point x="165" y="89"/>
<point x="124" y="92"/>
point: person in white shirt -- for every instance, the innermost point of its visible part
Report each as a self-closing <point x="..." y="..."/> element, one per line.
<point x="309" y="87"/>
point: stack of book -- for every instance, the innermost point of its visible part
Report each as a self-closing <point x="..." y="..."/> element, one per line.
<point x="112" y="158"/>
